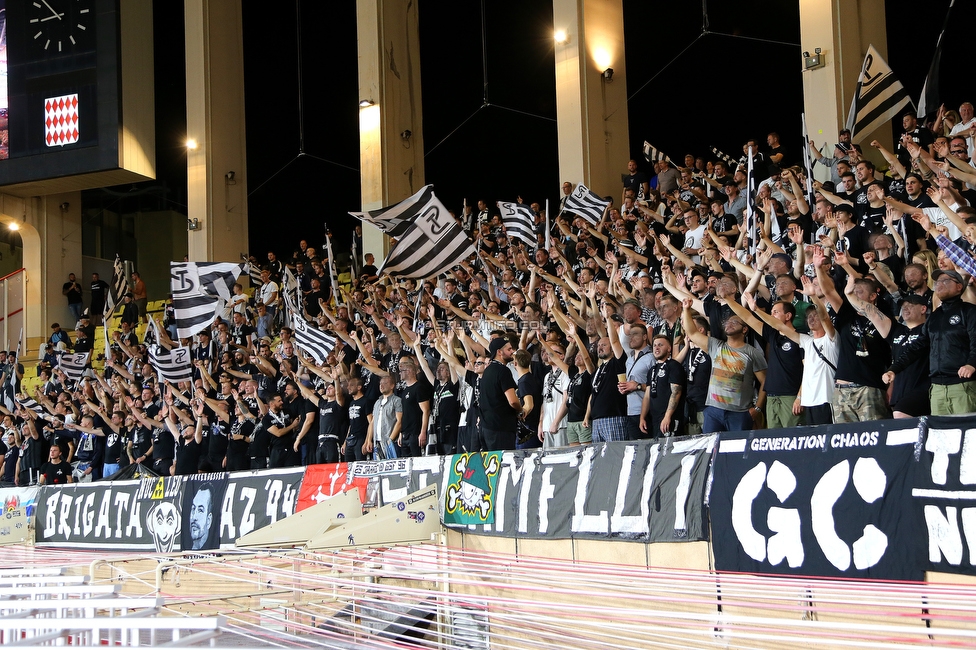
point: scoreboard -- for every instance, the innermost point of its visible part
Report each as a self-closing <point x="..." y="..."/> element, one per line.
<point x="75" y="94"/>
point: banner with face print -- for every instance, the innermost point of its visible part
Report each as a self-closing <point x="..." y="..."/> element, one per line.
<point x="202" y="496"/>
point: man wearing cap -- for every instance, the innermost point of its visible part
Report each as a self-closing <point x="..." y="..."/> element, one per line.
<point x="498" y="400"/>
<point x="130" y="312"/>
<point x="949" y="339"/>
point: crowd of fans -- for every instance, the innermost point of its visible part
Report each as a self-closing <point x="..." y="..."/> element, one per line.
<point x="689" y="308"/>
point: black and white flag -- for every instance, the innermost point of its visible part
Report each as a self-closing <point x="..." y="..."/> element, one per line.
<point x="653" y="154"/>
<point x="173" y="365"/>
<point x="928" y="101"/>
<point x="317" y="343"/>
<point x="291" y="291"/>
<point x="333" y="270"/>
<point x="200" y="291"/>
<point x="31" y="404"/>
<point x="396" y="219"/>
<point x="119" y="283"/>
<point x="586" y="203"/>
<point x="433" y="243"/>
<point x="519" y="222"/>
<point x="808" y="163"/>
<point x="74" y="365"/>
<point x="729" y="160"/>
<point x="254" y="273"/>
<point x="879" y="97"/>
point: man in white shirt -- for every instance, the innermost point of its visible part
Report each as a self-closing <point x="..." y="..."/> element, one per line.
<point x="694" y="235"/>
<point x="268" y="295"/>
<point x="967" y="126"/>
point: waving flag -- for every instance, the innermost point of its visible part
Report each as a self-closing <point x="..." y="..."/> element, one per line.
<point x="586" y="203"/>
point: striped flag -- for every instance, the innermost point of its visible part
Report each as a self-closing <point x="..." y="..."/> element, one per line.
<point x="879" y="97"/>
<point x="808" y="163"/>
<point x="333" y="271"/>
<point x="253" y="272"/>
<point x="653" y="154"/>
<point x="752" y="217"/>
<point x="396" y="219"/>
<point x="74" y="365"/>
<point x="31" y="404"/>
<point x="200" y="291"/>
<point x="317" y="343"/>
<point x="291" y="291"/>
<point x="173" y="365"/>
<point x="119" y="283"/>
<point x="519" y="222"/>
<point x="433" y="243"/>
<point x="586" y="203"/>
<point x="729" y="160"/>
<point x="928" y="101"/>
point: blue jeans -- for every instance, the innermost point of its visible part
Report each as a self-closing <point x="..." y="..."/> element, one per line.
<point x="716" y="419"/>
<point x="76" y="308"/>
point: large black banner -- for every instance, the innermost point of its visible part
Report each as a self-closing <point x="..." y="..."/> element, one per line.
<point x="824" y="501"/>
<point x="642" y="491"/>
<point x="151" y="515"/>
<point x="944" y="496"/>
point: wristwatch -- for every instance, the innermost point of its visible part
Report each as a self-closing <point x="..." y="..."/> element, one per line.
<point x="640" y="386"/>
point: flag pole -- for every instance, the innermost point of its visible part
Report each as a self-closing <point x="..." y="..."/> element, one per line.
<point x="548" y="239"/>
<point x="332" y="266"/>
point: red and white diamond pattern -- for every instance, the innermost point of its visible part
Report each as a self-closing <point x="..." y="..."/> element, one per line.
<point x="61" y="120"/>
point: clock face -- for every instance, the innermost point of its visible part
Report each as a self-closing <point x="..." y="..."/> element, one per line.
<point x="59" y="26"/>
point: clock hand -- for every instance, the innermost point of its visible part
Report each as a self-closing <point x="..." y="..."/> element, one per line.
<point x="58" y="16"/>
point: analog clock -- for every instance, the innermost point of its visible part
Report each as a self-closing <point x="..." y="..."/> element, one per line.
<point x="56" y="26"/>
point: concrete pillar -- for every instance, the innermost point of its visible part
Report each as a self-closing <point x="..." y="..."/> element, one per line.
<point x="843" y="29"/>
<point x="50" y="227"/>
<point x="591" y="110"/>
<point x="216" y="169"/>
<point x="391" y="142"/>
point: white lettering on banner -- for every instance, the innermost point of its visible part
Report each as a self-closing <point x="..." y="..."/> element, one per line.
<point x="681" y="492"/>
<point x="942" y="443"/>
<point x="273" y="488"/>
<point x="247" y="519"/>
<point x="227" y="512"/>
<point x="745" y="493"/>
<point x="548" y="490"/>
<point x="869" y="483"/>
<point x="944" y="537"/>
<point x="967" y="463"/>
<point x="134" y="527"/>
<point x="104" y="519"/>
<point x="64" y="528"/>
<point x="639" y="524"/>
<point x="50" y="517"/>
<point x="79" y="502"/>
<point x="854" y="439"/>
<point x="825" y="495"/>
<point x="88" y="515"/>
<point x="509" y="473"/>
<point x="582" y="522"/>
<point x="121" y="507"/>
<point x="789" y="443"/>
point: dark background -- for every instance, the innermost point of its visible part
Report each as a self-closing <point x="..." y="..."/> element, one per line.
<point x="693" y="82"/>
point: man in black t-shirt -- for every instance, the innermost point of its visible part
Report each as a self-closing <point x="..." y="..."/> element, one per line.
<point x="529" y="392"/>
<point x="635" y="181"/>
<point x="99" y="289"/>
<point x="416" y="394"/>
<point x="56" y="471"/>
<point x="498" y="398"/>
<point x="663" y="405"/>
<point x="360" y="416"/>
<point x="859" y="392"/>
<point x="72" y="291"/>
<point x="608" y="406"/>
<point x="279" y="424"/>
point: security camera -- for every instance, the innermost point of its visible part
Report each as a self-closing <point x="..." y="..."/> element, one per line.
<point x="406" y="134"/>
<point x="229" y="176"/>
<point x="64" y="206"/>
